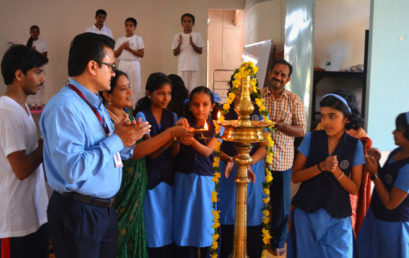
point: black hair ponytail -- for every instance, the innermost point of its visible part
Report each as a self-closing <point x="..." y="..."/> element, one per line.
<point x="30" y="42"/>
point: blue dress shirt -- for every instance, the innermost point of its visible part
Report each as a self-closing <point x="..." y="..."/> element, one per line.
<point x="78" y="154"/>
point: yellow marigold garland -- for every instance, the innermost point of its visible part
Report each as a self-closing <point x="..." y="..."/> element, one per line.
<point x="246" y="69"/>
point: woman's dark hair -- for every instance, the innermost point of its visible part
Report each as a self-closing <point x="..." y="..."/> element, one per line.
<point x="402" y="122"/>
<point x="114" y="80"/>
<point x="30" y="40"/>
<point x="198" y="89"/>
<point x="86" y="47"/>
<point x="188" y="15"/>
<point x="354" y="117"/>
<point x="179" y="95"/>
<point x="131" y="19"/>
<point x="155" y="81"/>
<point x="20" y="57"/>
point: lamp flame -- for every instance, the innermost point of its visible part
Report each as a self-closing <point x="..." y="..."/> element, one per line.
<point x="206" y="128"/>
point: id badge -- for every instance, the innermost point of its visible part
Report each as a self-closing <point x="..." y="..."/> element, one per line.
<point x="118" y="160"/>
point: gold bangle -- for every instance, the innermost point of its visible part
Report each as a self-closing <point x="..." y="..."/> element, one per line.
<point x="340" y="176"/>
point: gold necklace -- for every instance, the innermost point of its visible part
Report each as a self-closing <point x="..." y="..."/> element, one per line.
<point x="115" y="118"/>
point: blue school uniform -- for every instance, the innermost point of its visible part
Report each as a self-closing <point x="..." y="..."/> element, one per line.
<point x="385" y="233"/>
<point x="321" y="221"/>
<point x="158" y="204"/>
<point x="192" y="217"/>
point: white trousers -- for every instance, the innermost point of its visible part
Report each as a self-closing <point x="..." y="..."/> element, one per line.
<point x="133" y="70"/>
<point x="190" y="78"/>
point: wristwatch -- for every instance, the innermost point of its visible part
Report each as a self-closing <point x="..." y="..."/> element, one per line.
<point x="373" y="177"/>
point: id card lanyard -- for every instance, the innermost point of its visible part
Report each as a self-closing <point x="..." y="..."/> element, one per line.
<point x="101" y="119"/>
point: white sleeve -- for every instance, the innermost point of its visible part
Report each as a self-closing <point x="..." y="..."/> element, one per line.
<point x="175" y="41"/>
<point x="89" y="29"/>
<point x="110" y="33"/>
<point x="11" y="132"/>
<point x="45" y="47"/>
<point x="199" y="41"/>
<point x="118" y="43"/>
<point x="140" y="43"/>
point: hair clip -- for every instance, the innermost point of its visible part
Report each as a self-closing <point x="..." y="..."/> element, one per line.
<point x="186" y="101"/>
<point x="216" y="97"/>
<point x="340" y="98"/>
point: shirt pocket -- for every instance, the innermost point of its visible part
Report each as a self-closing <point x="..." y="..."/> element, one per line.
<point x="283" y="115"/>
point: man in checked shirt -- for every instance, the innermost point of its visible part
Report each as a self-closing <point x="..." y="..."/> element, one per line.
<point x="286" y="109"/>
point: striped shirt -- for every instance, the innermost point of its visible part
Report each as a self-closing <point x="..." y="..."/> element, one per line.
<point x="288" y="108"/>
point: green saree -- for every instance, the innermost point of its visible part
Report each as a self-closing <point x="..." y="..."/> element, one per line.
<point x="129" y="207"/>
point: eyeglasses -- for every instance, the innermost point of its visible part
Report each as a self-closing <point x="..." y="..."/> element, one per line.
<point x="113" y="66"/>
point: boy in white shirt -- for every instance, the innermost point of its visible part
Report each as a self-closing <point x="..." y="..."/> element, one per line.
<point x="129" y="50"/>
<point x="99" y="27"/>
<point x="187" y="46"/>
<point x="24" y="199"/>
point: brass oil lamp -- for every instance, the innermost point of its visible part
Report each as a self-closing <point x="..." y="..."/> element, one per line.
<point x="243" y="132"/>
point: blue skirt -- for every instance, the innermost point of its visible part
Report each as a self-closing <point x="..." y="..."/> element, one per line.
<point x="378" y="238"/>
<point x="319" y="235"/>
<point x="192" y="218"/>
<point x="255" y="195"/>
<point x="158" y="211"/>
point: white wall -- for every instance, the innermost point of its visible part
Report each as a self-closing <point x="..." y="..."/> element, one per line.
<point x="264" y="20"/>
<point x="387" y="94"/>
<point x="340" y="32"/>
<point x="226" y="4"/>
<point x="61" y="20"/>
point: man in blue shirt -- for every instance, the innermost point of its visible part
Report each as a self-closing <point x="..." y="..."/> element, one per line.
<point x="83" y="153"/>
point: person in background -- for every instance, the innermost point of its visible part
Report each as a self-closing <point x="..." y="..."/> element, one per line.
<point x="286" y="109"/>
<point x="24" y="199"/>
<point x="179" y="96"/>
<point x="36" y="101"/>
<point x="129" y="50"/>
<point x="187" y="46"/>
<point x="99" y="27"/>
<point x="385" y="231"/>
<point x="35" y="42"/>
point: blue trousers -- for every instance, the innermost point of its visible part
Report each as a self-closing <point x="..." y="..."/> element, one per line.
<point x="80" y="230"/>
<point x="280" y="197"/>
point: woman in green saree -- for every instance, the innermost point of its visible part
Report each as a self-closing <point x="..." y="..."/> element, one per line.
<point x="129" y="200"/>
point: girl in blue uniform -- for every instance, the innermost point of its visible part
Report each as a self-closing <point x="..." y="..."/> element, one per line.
<point x="158" y="204"/>
<point x="385" y="231"/>
<point x="192" y="219"/>
<point x="329" y="168"/>
<point x="255" y="193"/>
